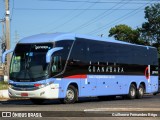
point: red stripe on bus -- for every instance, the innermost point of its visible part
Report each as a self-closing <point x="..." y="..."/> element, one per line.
<point x="77" y="76"/>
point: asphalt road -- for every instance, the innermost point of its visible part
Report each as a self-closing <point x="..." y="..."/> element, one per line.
<point x="92" y="106"/>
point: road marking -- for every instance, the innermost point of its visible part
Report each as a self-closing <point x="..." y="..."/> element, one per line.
<point x="122" y="109"/>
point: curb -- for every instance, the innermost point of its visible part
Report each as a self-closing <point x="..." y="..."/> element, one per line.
<point x="4" y="94"/>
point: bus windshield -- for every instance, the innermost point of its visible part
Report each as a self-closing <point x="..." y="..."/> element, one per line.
<point x="28" y="62"/>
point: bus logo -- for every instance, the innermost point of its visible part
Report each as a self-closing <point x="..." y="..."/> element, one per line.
<point x="41" y="47"/>
<point x="105" y="68"/>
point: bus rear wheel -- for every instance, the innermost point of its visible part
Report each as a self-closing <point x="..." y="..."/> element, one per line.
<point x="140" y="91"/>
<point x="71" y="95"/>
<point x="132" y="92"/>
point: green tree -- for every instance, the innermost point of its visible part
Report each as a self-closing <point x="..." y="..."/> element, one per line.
<point x="148" y="34"/>
<point x="150" y="30"/>
<point x="125" y="33"/>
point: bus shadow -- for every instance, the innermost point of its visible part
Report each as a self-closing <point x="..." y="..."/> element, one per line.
<point x="27" y="102"/>
<point x="110" y="99"/>
<point x="81" y="100"/>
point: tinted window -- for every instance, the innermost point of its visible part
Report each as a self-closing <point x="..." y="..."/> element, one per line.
<point x="98" y="51"/>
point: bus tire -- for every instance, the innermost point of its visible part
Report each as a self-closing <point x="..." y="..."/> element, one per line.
<point x="140" y="91"/>
<point x="132" y="92"/>
<point x="71" y="95"/>
<point x="37" y="101"/>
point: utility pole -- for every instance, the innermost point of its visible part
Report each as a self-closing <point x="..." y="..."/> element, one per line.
<point x="7" y="36"/>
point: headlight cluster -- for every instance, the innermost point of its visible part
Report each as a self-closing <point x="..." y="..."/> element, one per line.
<point x="42" y="85"/>
<point x="11" y="86"/>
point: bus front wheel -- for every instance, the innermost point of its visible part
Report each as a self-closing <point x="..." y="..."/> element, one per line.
<point x="71" y="95"/>
<point x="132" y="92"/>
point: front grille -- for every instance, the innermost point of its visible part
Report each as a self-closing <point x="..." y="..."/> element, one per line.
<point x="24" y="88"/>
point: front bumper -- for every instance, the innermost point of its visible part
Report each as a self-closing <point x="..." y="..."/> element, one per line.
<point x="48" y="92"/>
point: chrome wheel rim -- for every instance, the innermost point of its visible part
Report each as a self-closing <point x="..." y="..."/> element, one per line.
<point x="70" y="94"/>
<point x="133" y="92"/>
<point x="141" y="91"/>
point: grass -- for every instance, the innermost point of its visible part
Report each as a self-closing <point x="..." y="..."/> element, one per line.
<point x="3" y="85"/>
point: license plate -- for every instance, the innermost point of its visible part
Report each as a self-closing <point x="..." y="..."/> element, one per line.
<point x="24" y="94"/>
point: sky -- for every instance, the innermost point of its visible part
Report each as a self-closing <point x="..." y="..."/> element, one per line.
<point x="91" y="17"/>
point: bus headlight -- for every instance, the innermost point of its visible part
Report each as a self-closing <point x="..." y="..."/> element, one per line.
<point x="39" y="85"/>
<point x="10" y="86"/>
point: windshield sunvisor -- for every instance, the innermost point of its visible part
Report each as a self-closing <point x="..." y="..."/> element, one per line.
<point x="50" y="52"/>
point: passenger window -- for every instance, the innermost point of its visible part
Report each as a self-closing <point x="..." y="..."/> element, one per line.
<point x="56" y="64"/>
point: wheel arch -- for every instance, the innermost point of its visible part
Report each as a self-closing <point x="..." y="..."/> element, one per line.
<point x="75" y="84"/>
<point x="134" y="83"/>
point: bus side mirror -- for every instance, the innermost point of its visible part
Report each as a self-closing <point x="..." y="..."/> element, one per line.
<point x="5" y="54"/>
<point x="50" y="52"/>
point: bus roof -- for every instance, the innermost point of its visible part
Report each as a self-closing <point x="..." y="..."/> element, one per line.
<point x="47" y="37"/>
<point x="52" y="37"/>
